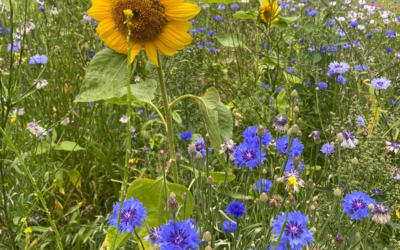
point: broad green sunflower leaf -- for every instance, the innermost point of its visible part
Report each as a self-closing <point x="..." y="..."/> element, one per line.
<point x="245" y="14"/>
<point x="140" y="92"/>
<point x="232" y="40"/>
<point x="151" y="194"/>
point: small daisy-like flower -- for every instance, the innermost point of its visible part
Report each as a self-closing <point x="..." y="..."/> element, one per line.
<point x="248" y="155"/>
<point x="356" y="204"/>
<point x="124" y="119"/>
<point x="228" y="226"/>
<point x="65" y="122"/>
<point x="281" y="123"/>
<point x="132" y="215"/>
<point x="381" y="214"/>
<point x="338" y="68"/>
<point x="186" y="135"/>
<point x="36" y="129"/>
<point x="41" y="83"/>
<point x="236" y="208"/>
<point x="282" y="145"/>
<point x="289" y="177"/>
<point x="53" y="10"/>
<point x="20" y="111"/>
<point x="327" y="149"/>
<point x="295" y="231"/>
<point x="349" y="139"/>
<point x="380" y="83"/>
<point x="228" y="148"/>
<point x="178" y="235"/>
<point x="393" y="146"/>
<point x="263" y="186"/>
<point x="153" y="236"/>
<point x="250" y="136"/>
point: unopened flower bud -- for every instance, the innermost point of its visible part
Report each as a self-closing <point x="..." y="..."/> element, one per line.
<point x="172" y="195"/>
<point x="299" y="121"/>
<point x="296" y="109"/>
<point x="275" y="202"/>
<point x="337" y="192"/>
<point x="199" y="155"/>
<point x="317" y="139"/>
<point x="289" y="132"/>
<point x="192" y="148"/>
<point x="264" y="171"/>
<point x="201" y="124"/>
<point x="339" y="240"/>
<point x="172" y="206"/>
<point x="155" y="246"/>
<point x="328" y="236"/>
<point x="207" y="236"/>
<point x="210" y="180"/>
<point x="263" y="197"/>
<point x="161" y="155"/>
<point x="296" y="161"/>
<point x="253" y="245"/>
<point x="292" y="200"/>
<point x="207" y="142"/>
<point x="208" y="248"/>
<point x="184" y="196"/>
<point x="294" y="94"/>
<point x="299" y="133"/>
<point x="295" y="129"/>
<point x="313" y="229"/>
<point x="371" y="206"/>
<point x="340" y="138"/>
<point x="178" y="157"/>
<point x="260" y="131"/>
<point x="199" y="82"/>
<point x="312" y="207"/>
<point x="310" y="183"/>
<point x="287" y="109"/>
<point x="354" y="161"/>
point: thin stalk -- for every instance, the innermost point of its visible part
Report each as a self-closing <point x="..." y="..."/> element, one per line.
<point x="168" y="118"/>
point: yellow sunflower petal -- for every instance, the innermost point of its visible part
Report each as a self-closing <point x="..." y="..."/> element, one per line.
<point x="151" y="51"/>
<point x="182" y="12"/>
<point x="100" y="10"/>
<point x="175" y="34"/>
<point x="106" y="28"/>
<point x="168" y="3"/>
<point x="135" y="49"/>
<point x="163" y="48"/>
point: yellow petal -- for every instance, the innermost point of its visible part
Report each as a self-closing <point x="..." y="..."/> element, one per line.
<point x="163" y="48"/>
<point x="135" y="49"/>
<point x="182" y="12"/>
<point x="175" y="34"/>
<point x="100" y="10"/>
<point x="105" y="28"/>
<point x="151" y="51"/>
<point x="168" y="3"/>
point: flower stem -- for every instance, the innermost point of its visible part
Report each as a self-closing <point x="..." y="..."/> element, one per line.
<point x="168" y="118"/>
<point x="141" y="243"/>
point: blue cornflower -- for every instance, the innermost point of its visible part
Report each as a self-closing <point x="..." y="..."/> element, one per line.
<point x="250" y="136"/>
<point x="376" y="191"/>
<point x="221" y="6"/>
<point x="214" y="50"/>
<point x="338" y="68"/>
<point x="390" y="33"/>
<point x="208" y="43"/>
<point x="248" y="155"/>
<point x="356" y="204"/>
<point x="218" y="18"/>
<point x="41" y="8"/>
<point x="290" y="167"/>
<point x="153" y="236"/>
<point x="235" y="6"/>
<point x="265" y="86"/>
<point x="341" y="79"/>
<point x="380" y="83"/>
<point x="228" y="226"/>
<point x="200" y="46"/>
<point x="37" y="59"/>
<point x="202" y="29"/>
<point x="15" y="47"/>
<point x="330" y="22"/>
<point x="186" y="136"/>
<point x="193" y="21"/>
<point x="301" y="40"/>
<point x="283" y="143"/>
<point x="361" y="120"/>
<point x="369" y="35"/>
<point x="354" y="24"/>
<point x="322" y="85"/>
<point x="360" y="67"/>
<point x="327" y="149"/>
<point x="178" y="235"/>
<point x="313" y="13"/>
<point x="210" y="32"/>
<point x="236" y="208"/>
<point x="200" y="147"/>
<point x="349" y="139"/>
<point x="132" y="215"/>
<point x="295" y="232"/>
<point x="389" y="50"/>
<point x="394" y="102"/>
<point x="290" y="71"/>
<point x="263" y="186"/>
<point x="279" y="89"/>
<point x="193" y="31"/>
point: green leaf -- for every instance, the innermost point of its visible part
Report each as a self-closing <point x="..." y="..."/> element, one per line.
<point x="280" y="24"/>
<point x="42" y="147"/>
<point x="311" y="28"/>
<point x="68" y="146"/>
<point x="219" y="177"/>
<point x="317" y="57"/>
<point x="282" y="101"/>
<point x="292" y="78"/>
<point x="232" y="40"/>
<point x="105" y="77"/>
<point x="202" y="5"/>
<point x="245" y="14"/>
<point x="151" y="194"/>
<point x="75" y="178"/>
<point x="177" y="118"/>
<point x="210" y="99"/>
<point x="225" y="122"/>
<point x="6" y="4"/>
<point x="140" y="92"/>
<point x="289" y="20"/>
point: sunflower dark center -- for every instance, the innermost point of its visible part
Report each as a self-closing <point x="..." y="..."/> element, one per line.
<point x="148" y="19"/>
<point x="293" y="229"/>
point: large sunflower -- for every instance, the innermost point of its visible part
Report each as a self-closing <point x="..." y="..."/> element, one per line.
<point x="269" y="11"/>
<point x="159" y="25"/>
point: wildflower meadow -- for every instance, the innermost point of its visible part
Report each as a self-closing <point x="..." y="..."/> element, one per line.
<point x="211" y="125"/>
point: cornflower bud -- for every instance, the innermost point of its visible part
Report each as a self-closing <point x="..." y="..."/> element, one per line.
<point x="260" y="131"/>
